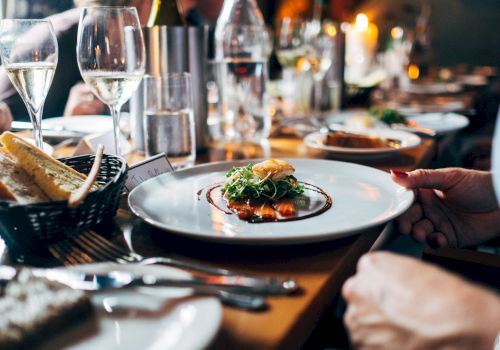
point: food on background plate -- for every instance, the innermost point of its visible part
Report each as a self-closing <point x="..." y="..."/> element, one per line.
<point x="361" y="121"/>
<point x="34" y="309"/>
<point x="267" y="192"/>
<point x="388" y="115"/>
<point x="54" y="178"/>
<point x="354" y="140"/>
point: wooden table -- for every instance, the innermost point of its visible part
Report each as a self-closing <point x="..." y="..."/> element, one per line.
<point x="319" y="268"/>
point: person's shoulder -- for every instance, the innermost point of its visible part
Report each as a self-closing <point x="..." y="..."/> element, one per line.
<point x="63" y="21"/>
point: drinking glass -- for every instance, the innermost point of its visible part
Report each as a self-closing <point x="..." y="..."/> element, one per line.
<point x="290" y="50"/>
<point x="168" y="118"/>
<point x="289" y="43"/>
<point x="111" y="56"/>
<point x="29" y="54"/>
<point x="319" y="41"/>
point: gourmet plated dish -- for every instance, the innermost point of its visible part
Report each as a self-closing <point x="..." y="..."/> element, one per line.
<point x="28" y="175"/>
<point x="267" y="192"/>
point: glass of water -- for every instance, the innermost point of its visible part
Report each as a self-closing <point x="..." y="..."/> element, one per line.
<point x="168" y="118"/>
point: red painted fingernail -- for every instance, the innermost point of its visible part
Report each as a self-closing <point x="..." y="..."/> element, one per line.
<point x="400" y="174"/>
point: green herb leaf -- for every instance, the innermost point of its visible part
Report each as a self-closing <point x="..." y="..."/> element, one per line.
<point x="243" y="185"/>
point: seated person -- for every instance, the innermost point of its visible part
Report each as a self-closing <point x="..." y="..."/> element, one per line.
<point x="397" y="302"/>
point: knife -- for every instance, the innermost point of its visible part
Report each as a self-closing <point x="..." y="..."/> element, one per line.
<point x="121" y="279"/>
<point x="422" y="132"/>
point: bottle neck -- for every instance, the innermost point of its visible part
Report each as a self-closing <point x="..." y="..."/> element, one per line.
<point x="166" y="12"/>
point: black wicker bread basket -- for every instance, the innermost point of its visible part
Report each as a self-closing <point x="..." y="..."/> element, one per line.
<point x="32" y="227"/>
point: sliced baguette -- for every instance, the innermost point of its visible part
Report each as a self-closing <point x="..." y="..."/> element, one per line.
<point x="56" y="179"/>
<point x="15" y="184"/>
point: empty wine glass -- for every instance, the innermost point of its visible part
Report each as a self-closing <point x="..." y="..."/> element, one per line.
<point x="319" y="41"/>
<point x="289" y="44"/>
<point x="111" y="56"/>
<point x="29" y="54"/>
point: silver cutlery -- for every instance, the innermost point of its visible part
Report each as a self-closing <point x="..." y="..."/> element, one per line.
<point x="90" y="247"/>
<point x="243" y="301"/>
<point x="233" y="283"/>
<point x="422" y="132"/>
<point x="97" y="248"/>
<point x="120" y="280"/>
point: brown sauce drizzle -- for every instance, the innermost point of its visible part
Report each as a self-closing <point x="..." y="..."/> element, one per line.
<point x="214" y="197"/>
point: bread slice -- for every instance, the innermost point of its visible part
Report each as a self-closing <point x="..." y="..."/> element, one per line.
<point x="15" y="184"/>
<point x="56" y="179"/>
<point x="35" y="311"/>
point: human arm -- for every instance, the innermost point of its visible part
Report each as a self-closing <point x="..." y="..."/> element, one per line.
<point x="81" y="101"/>
<point x="453" y="207"/>
<point x="5" y="118"/>
<point x="397" y="302"/>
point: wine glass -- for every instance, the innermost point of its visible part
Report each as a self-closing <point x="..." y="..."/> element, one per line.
<point x="319" y="42"/>
<point x="111" y="56"/>
<point x="289" y="45"/>
<point x="29" y="54"/>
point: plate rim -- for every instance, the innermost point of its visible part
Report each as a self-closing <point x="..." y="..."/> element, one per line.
<point x="263" y="240"/>
<point x="466" y="121"/>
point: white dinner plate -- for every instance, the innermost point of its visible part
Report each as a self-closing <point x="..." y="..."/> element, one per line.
<point x="433" y="88"/>
<point x="431" y="106"/>
<point x="407" y="140"/>
<point x="146" y="317"/>
<point x="362" y="197"/>
<point x="85" y="124"/>
<point x="441" y="123"/>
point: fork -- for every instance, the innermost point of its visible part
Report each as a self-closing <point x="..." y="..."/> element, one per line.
<point x="69" y="254"/>
<point x="98" y="248"/>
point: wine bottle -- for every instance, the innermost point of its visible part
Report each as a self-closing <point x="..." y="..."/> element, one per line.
<point x="420" y="52"/>
<point x="166" y="13"/>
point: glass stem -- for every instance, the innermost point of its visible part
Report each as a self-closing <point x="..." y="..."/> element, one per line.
<point x="317" y="95"/>
<point x="115" y="113"/>
<point x="36" y="121"/>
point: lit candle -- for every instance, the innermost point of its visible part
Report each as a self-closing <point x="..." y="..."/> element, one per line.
<point x="361" y="45"/>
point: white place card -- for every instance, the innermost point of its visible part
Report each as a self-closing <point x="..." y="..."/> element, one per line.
<point x="147" y="169"/>
<point x="88" y="144"/>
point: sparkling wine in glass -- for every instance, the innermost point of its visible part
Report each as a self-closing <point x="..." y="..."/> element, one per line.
<point x="111" y="56"/>
<point x="29" y="55"/>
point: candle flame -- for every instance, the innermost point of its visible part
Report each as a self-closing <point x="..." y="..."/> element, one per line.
<point x="361" y="23"/>
<point x="413" y="72"/>
<point x="330" y="29"/>
<point x="397" y="32"/>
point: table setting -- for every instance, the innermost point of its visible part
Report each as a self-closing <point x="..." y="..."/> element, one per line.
<point x="240" y="241"/>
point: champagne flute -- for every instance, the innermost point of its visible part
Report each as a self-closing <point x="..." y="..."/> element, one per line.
<point x="29" y="54"/>
<point x="111" y="56"/>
